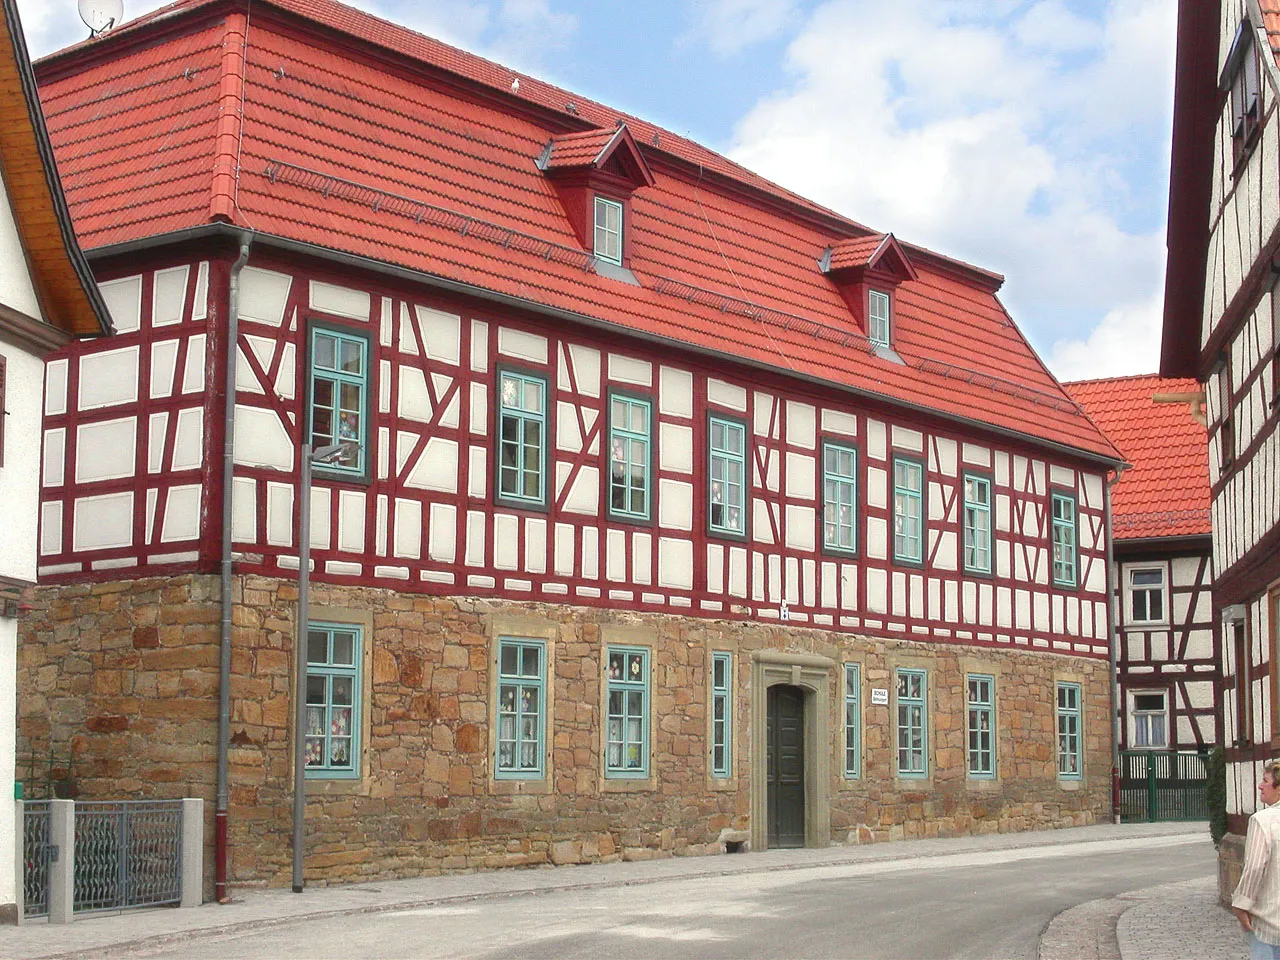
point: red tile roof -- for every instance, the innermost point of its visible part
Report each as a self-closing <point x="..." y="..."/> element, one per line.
<point x="1149" y="418"/>
<point x="434" y="168"/>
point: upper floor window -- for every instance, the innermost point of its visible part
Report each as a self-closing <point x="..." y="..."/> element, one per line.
<point x="722" y="715"/>
<point x="522" y="438"/>
<point x="913" y="747"/>
<point x="608" y="230"/>
<point x="522" y="681"/>
<point x="1226" y="419"/>
<point x="1064" y="540"/>
<point x="629" y="449"/>
<point x="332" y="744"/>
<point x="1149" y="716"/>
<point x="1245" y="100"/>
<point x="339" y="396"/>
<point x="878" y="324"/>
<point x="908" y="510"/>
<point x="627" y="713"/>
<point x="728" y="476"/>
<point x="1146" y="594"/>
<point x="839" y="497"/>
<point x="1068" y="714"/>
<point x="977" y="524"/>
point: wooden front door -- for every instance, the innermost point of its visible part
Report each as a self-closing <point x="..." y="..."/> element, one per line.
<point x="785" y="750"/>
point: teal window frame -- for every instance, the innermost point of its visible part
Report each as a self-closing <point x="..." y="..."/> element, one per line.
<point x="334" y="695"/>
<point x="604" y="233"/>
<point x="980" y="729"/>
<point x="330" y="385"/>
<point x="721" y="459"/>
<point x="852" y="721"/>
<point x="908" y="507"/>
<point x="722" y="715"/>
<point x="879" y="317"/>
<point x="631" y="449"/>
<point x="626" y="754"/>
<point x="521" y="710"/>
<point x="911" y="716"/>
<point x="1066" y="541"/>
<point x="979" y="531"/>
<point x="511" y="480"/>
<point x="1068" y="712"/>
<point x="839" y="498"/>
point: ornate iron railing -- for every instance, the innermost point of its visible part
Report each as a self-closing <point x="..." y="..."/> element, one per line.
<point x="36" y="851"/>
<point x="128" y="854"/>
<point x="1160" y="785"/>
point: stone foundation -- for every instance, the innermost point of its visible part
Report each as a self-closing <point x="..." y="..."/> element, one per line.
<point x="1230" y="865"/>
<point x="121" y="678"/>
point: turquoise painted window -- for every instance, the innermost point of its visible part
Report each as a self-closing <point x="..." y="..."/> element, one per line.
<point x="721" y="715"/>
<point x="629" y="457"/>
<point x="852" y="720"/>
<point x="1064" y="540"/>
<point x="839" y="497"/>
<point x="913" y="733"/>
<point x="728" y="471"/>
<point x="977" y="524"/>
<point x="522" y="438"/>
<point x="878" y="327"/>
<point x="339" y="396"/>
<point x="331" y="748"/>
<point x="522" y="687"/>
<point x="908" y="510"/>
<point x="1069" y="760"/>
<point x="982" y="723"/>
<point x="627" y="716"/>
<point x="608" y="236"/>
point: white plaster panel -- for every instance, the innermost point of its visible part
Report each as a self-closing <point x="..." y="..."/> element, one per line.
<point x="848" y="586"/>
<point x="905" y="438"/>
<point x="675" y="398"/>
<point x="479" y="409"/>
<point x="477" y="473"/>
<point x="99" y="523"/>
<point x="627" y="370"/>
<point x="584" y="494"/>
<point x="564" y="545"/>
<point x="55" y="387"/>
<point x="442" y="333"/>
<point x="386" y="322"/>
<point x="615" y="556"/>
<point x="877" y="488"/>
<point x="54" y="463"/>
<point x="523" y="346"/>
<point x="506" y="532"/>
<point x="977" y="455"/>
<point x="830" y="592"/>
<point x="586" y="369"/>
<point x="200" y="306"/>
<point x="763" y="413"/>
<point x="109" y="378"/>
<point x="877" y="440"/>
<point x="715" y="568"/>
<point x="877" y="538"/>
<point x="1062" y="476"/>
<point x="590" y="552"/>
<point x="50" y="528"/>
<point x="123" y="298"/>
<point x="475" y="538"/>
<point x="738" y="572"/>
<point x="535" y="545"/>
<point x="947" y="460"/>
<point x="1004" y="607"/>
<point x="675" y="505"/>
<point x="157" y="426"/>
<point x="675" y="448"/>
<point x="415" y="399"/>
<point x="351" y="514"/>
<point x="1091" y="485"/>
<point x="193" y="370"/>
<point x="321" y="527"/>
<point x="835" y="421"/>
<point x="164" y="366"/>
<point x="877" y="597"/>
<point x="479" y="346"/>
<point x="802" y="424"/>
<point x="188" y="440"/>
<point x="106" y="450"/>
<point x="280" y="514"/>
<point x="286" y="377"/>
<point x="261" y="439"/>
<point x="169" y="295"/>
<point x="405" y="442"/>
<point x="800" y="475"/>
<point x="442" y="545"/>
<point x="675" y="563"/>
<point x="263" y="295"/>
<point x="945" y="549"/>
<point x="408" y="332"/>
<point x="437" y="467"/>
<point x="727" y="395"/>
<point x="182" y="515"/>
<point x="568" y="436"/>
<point x="407" y="538"/>
<point x="1041" y="611"/>
<point x="340" y="301"/>
<point x="801" y="529"/>
<point x="246" y="378"/>
<point x="1002" y="468"/>
<point x="761" y="528"/>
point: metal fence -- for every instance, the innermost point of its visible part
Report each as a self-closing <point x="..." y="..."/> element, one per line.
<point x="37" y="848"/>
<point x="1162" y="785"/>
<point x="128" y="854"/>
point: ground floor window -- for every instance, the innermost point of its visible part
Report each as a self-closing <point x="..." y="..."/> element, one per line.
<point x="332" y="745"/>
<point x="721" y="714"/>
<point x="982" y="709"/>
<point x="522" y="683"/>
<point x="852" y="720"/>
<point x="1149" y="711"/>
<point x="1069" y="731"/>
<point x="627" y="715"/>
<point x="912" y="724"/>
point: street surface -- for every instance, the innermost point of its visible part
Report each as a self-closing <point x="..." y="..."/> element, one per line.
<point x="992" y="904"/>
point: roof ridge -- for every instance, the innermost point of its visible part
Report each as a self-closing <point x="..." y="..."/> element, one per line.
<point x="225" y="182"/>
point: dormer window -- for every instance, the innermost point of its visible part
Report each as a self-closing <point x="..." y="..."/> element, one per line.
<point x="878" y="317"/>
<point x="1240" y="77"/>
<point x="608" y="234"/>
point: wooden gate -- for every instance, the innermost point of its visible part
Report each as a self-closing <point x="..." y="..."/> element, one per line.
<point x="1162" y="785"/>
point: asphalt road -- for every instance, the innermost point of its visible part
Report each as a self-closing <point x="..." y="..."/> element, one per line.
<point x="973" y="905"/>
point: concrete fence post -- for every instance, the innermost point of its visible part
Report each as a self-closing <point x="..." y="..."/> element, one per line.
<point x="192" y="852"/>
<point x="62" y="868"/>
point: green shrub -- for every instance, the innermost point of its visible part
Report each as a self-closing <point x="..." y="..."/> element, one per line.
<point x="1215" y="794"/>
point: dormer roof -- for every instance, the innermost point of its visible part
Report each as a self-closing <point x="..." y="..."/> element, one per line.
<point x="879" y="252"/>
<point x="607" y="151"/>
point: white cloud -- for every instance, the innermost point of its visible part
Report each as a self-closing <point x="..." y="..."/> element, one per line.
<point x="730" y="26"/>
<point x="528" y="31"/>
<point x="1126" y="341"/>
<point x="958" y="132"/>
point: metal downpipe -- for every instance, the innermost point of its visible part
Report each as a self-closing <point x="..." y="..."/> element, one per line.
<point x="220" y="855"/>
<point x="1114" y="600"/>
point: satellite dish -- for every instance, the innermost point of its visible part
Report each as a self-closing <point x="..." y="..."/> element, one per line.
<point x="100" y="15"/>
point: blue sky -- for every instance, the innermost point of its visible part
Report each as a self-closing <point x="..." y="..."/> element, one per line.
<point x="1030" y="137"/>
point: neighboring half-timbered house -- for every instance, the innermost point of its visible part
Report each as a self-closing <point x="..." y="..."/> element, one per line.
<point x="1167" y="654"/>
<point x="669" y="510"/>
<point x="1222" y="326"/>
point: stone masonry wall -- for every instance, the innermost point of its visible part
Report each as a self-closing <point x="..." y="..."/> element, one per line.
<point x="122" y="679"/>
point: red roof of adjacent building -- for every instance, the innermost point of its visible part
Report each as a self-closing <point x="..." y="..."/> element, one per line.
<point x="357" y="135"/>
<point x="1152" y="420"/>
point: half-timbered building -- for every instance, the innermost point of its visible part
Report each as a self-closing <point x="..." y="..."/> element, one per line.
<point x="661" y="511"/>
<point x="1222" y="326"/>
<point x="1167" y="654"/>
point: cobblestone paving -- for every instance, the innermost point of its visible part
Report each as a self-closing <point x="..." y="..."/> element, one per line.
<point x="1180" y="921"/>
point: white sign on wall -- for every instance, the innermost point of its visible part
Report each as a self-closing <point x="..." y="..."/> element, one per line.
<point x="879" y="695"/>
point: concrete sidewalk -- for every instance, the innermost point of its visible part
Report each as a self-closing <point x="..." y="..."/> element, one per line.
<point x="1160" y="927"/>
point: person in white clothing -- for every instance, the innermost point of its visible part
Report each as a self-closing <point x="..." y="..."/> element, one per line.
<point x="1256" y="901"/>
